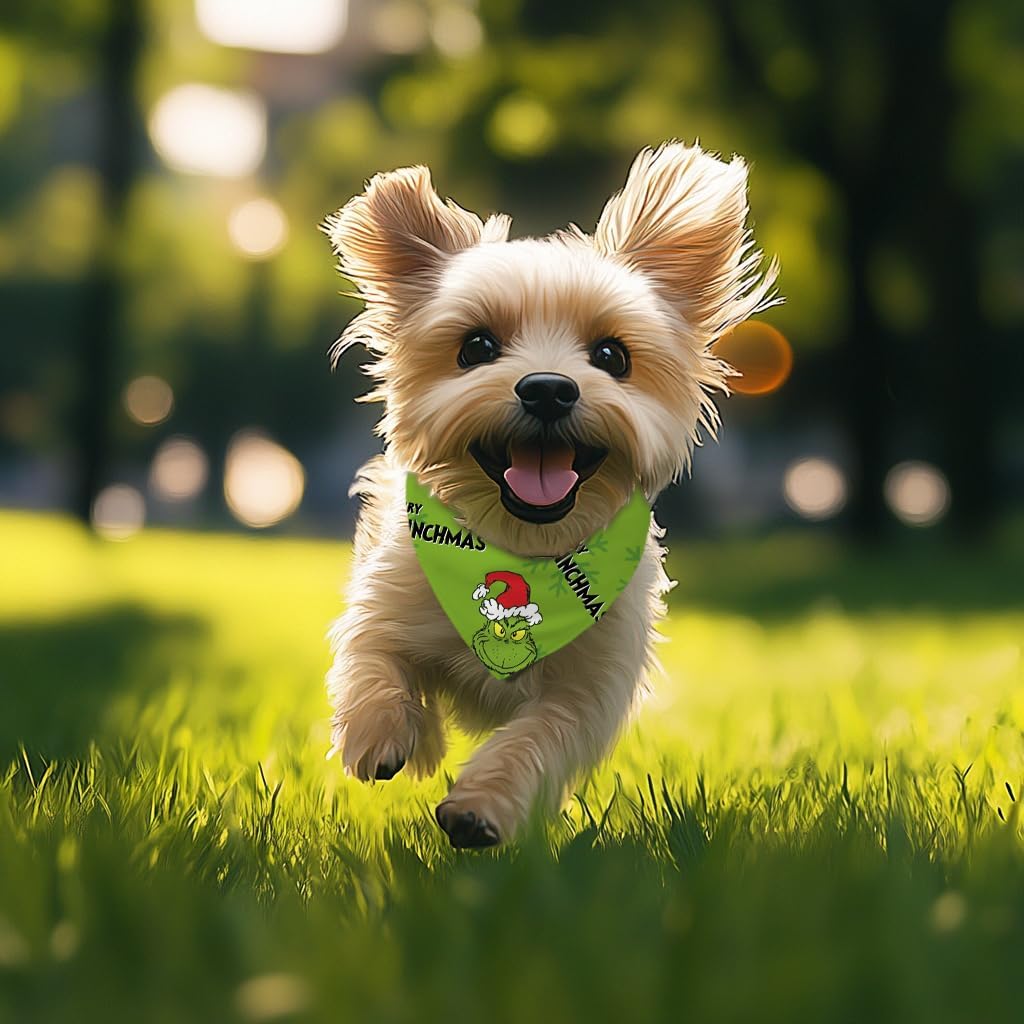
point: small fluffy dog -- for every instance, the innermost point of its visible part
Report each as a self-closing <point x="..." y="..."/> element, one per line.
<point x="589" y="352"/>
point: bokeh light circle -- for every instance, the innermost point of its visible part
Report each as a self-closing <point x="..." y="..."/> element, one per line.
<point x="299" y="26"/>
<point x="258" y="228"/>
<point x="399" y="26"/>
<point x="917" y="492"/>
<point x="148" y="400"/>
<point x="263" y="482"/>
<point x="456" y="31"/>
<point x="760" y="353"/>
<point x="204" y="129"/>
<point x="815" y="488"/>
<point x="118" y="512"/>
<point x="179" y="470"/>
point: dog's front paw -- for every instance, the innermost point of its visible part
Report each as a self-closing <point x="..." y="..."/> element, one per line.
<point x="379" y="762"/>
<point x="376" y="738"/>
<point x="389" y="764"/>
<point x="465" y="828"/>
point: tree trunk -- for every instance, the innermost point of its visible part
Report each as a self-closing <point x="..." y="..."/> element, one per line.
<point x="864" y="403"/>
<point x="117" y="155"/>
<point x="957" y="343"/>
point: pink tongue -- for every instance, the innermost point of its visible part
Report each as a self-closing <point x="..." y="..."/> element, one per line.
<point x="541" y="475"/>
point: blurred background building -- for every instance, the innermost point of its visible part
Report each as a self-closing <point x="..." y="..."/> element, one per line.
<point x="167" y="301"/>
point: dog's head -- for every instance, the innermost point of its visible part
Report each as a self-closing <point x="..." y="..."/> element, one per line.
<point x="534" y="383"/>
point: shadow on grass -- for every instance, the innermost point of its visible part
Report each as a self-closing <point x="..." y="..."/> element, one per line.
<point x="58" y="676"/>
<point x="789" y="575"/>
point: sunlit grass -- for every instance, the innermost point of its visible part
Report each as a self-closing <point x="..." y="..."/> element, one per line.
<point x="820" y="792"/>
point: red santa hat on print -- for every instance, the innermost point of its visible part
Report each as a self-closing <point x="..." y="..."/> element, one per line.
<point x="512" y="601"/>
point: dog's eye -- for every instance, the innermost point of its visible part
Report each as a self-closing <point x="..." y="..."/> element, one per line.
<point x="479" y="347"/>
<point x="610" y="355"/>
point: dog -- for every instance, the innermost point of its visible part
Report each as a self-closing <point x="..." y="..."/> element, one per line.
<point x="592" y="352"/>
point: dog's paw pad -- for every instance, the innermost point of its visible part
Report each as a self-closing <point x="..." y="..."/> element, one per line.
<point x="388" y="768"/>
<point x="465" y="830"/>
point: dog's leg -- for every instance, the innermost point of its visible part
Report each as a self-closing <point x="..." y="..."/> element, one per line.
<point x="536" y="755"/>
<point x="584" y="695"/>
<point x="381" y="720"/>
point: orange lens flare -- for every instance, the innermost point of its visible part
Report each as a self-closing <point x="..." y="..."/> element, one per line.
<point x="760" y="353"/>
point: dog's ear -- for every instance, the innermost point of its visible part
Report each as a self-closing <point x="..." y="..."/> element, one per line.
<point x="680" y="220"/>
<point x="396" y="237"/>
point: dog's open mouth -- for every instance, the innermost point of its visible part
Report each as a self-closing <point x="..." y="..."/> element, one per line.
<point x="539" y="479"/>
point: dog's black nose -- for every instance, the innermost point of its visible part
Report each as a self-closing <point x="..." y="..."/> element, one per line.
<point x="548" y="396"/>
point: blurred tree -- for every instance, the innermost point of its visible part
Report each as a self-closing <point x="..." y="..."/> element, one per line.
<point x="867" y="93"/>
<point x="119" y="142"/>
<point x="877" y="132"/>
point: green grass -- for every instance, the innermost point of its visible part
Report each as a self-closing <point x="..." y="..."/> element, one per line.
<point x="813" y="818"/>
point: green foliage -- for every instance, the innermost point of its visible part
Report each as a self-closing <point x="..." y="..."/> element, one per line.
<point x="859" y="122"/>
<point x="815" y="816"/>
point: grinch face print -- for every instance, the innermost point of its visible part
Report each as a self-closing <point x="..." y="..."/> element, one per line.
<point x="505" y="643"/>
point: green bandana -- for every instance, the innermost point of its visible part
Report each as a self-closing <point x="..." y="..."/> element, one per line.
<point x="511" y="610"/>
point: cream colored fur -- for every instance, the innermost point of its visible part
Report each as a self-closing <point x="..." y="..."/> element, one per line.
<point x="670" y="267"/>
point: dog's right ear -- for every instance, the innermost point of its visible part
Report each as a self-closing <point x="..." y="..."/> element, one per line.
<point x="393" y="240"/>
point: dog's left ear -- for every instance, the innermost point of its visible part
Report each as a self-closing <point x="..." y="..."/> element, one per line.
<point x="393" y="240"/>
<point x="681" y="221"/>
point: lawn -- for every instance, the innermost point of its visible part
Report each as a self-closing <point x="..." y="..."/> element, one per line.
<point x="813" y="818"/>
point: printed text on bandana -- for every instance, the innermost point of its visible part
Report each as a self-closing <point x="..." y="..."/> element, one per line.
<point x="437" y="533"/>
<point x="579" y="584"/>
